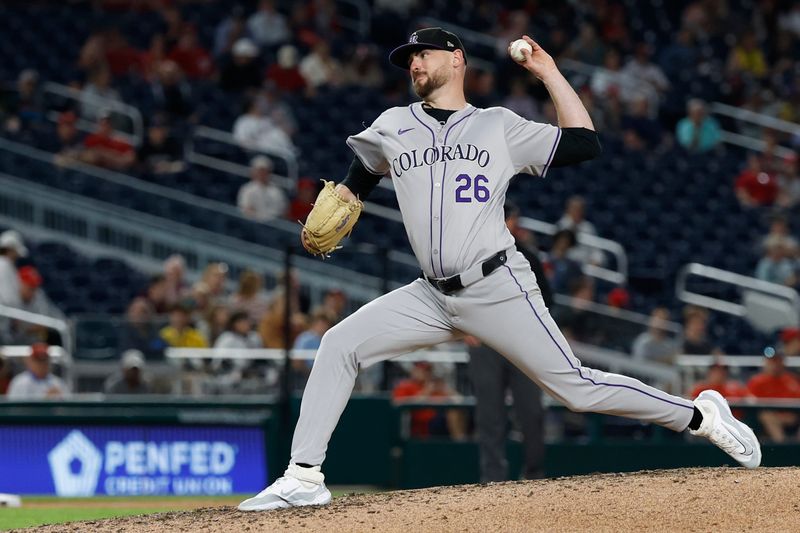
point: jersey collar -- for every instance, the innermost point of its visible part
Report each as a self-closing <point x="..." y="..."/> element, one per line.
<point x="423" y="116"/>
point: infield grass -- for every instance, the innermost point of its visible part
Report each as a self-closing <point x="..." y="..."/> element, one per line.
<point x="40" y="510"/>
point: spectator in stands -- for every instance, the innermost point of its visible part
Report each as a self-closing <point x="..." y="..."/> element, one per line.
<point x="92" y="56"/>
<point x="152" y="58"/>
<point x="26" y="105"/>
<point x="520" y="101"/>
<point x="160" y="153"/>
<point x="214" y="322"/>
<point x="140" y="330"/>
<point x="96" y="93"/>
<point x="255" y="131"/>
<point x="180" y="333"/>
<point x="747" y="59"/>
<point x="656" y="344"/>
<point x="250" y="296"/>
<point x="190" y="56"/>
<point x="679" y="56"/>
<point x="272" y="107"/>
<point x="272" y="327"/>
<point x="130" y="379"/>
<point x="779" y="231"/>
<point x="717" y="379"/>
<point x="754" y="186"/>
<point x="638" y="120"/>
<point x="789" y="182"/>
<point x="12" y="248"/>
<point x="37" y="382"/>
<point x="562" y="270"/>
<point x="321" y="320"/>
<point x="156" y="294"/>
<point x="230" y="30"/>
<point x="285" y="73"/>
<point x="424" y="385"/>
<point x="121" y="57"/>
<point x="32" y="296"/>
<point x="646" y="72"/>
<point x="697" y="132"/>
<point x="574" y="219"/>
<point x="335" y="302"/>
<point x="267" y="26"/>
<point x="171" y="93"/>
<point x="363" y="68"/>
<point x="695" y="337"/>
<point x="239" y="333"/>
<point x="775" y="381"/>
<point x="302" y="203"/>
<point x="612" y="80"/>
<point x="260" y="199"/>
<point x="776" y="266"/>
<point x="104" y="149"/>
<point x="176" y="287"/>
<point x="320" y="68"/>
<point x="240" y="69"/>
<point x="214" y="279"/>
<point x="68" y="145"/>
<point x="587" y="48"/>
<point x="5" y="374"/>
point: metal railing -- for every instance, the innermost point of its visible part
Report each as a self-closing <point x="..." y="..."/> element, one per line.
<point x="768" y="306"/>
<point x="114" y="106"/>
<point x="61" y="326"/>
<point x="204" y="132"/>
<point x="618" y="276"/>
<point x="143" y="235"/>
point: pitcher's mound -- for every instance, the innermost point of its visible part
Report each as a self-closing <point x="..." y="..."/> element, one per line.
<point x="701" y="499"/>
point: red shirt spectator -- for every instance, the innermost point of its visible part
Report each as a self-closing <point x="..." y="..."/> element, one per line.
<point x="754" y="186"/>
<point x="302" y="204"/>
<point x="775" y="381"/>
<point x="105" y="150"/>
<point x="717" y="379"/>
<point x="419" y="385"/>
<point x="193" y="59"/>
<point x="285" y="73"/>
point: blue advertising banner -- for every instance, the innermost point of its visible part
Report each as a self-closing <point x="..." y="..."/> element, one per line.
<point x="132" y="460"/>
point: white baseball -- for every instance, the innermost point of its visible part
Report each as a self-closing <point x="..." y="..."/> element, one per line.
<point x="517" y="47"/>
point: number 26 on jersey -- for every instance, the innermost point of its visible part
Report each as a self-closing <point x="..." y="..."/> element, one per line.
<point x="470" y="188"/>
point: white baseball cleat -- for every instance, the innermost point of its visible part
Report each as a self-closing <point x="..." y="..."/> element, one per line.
<point x="297" y="487"/>
<point x="723" y="429"/>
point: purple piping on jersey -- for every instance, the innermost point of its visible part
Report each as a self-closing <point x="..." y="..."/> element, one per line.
<point x="430" y="209"/>
<point x="578" y="368"/>
<point x="552" y="153"/>
<point x="441" y="203"/>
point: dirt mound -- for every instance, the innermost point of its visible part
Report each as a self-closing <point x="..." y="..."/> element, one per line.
<point x="715" y="499"/>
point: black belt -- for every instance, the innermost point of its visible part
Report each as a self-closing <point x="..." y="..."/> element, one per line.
<point x="453" y="283"/>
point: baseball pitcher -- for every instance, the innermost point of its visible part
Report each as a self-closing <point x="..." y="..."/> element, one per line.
<point x="451" y="164"/>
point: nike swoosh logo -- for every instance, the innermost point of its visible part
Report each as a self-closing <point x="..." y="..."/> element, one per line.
<point x="402" y="131"/>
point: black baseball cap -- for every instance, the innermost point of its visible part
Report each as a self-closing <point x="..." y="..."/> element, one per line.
<point x="425" y="39"/>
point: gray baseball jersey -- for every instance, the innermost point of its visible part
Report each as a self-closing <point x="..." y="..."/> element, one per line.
<point x="451" y="181"/>
<point x="451" y="178"/>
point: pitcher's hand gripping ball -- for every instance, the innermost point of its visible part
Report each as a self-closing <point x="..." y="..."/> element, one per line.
<point x="331" y="220"/>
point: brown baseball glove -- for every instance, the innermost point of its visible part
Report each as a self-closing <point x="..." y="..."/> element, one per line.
<point x="331" y="220"/>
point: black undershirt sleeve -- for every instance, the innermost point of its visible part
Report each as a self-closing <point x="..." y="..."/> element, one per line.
<point x="359" y="180"/>
<point x="576" y="145"/>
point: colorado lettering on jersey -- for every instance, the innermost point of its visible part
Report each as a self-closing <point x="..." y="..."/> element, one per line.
<point x="436" y="154"/>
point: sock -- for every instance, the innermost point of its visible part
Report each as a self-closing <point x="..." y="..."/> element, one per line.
<point x="306" y="465"/>
<point x="697" y="419"/>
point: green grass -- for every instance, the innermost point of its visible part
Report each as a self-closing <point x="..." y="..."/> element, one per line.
<point x="75" y="509"/>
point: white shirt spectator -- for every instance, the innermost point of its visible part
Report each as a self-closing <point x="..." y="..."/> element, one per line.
<point x="267" y="26"/>
<point x="256" y="132"/>
<point x="231" y="340"/>
<point x="260" y="201"/>
<point x="9" y="282"/>
<point x="26" y="386"/>
<point x="319" y="68"/>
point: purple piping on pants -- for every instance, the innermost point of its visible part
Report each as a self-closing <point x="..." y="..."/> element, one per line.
<point x="441" y="203"/>
<point x="430" y="210"/>
<point x="552" y="153"/>
<point x="577" y="367"/>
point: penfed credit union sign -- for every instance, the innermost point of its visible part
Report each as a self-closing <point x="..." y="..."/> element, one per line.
<point x="132" y="460"/>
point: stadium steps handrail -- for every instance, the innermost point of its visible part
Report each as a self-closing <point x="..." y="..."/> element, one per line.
<point x="619" y="276"/>
<point x="780" y="299"/>
<point x="113" y="227"/>
<point x="101" y="102"/>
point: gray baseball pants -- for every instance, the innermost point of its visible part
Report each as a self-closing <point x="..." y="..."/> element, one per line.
<point x="506" y="312"/>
